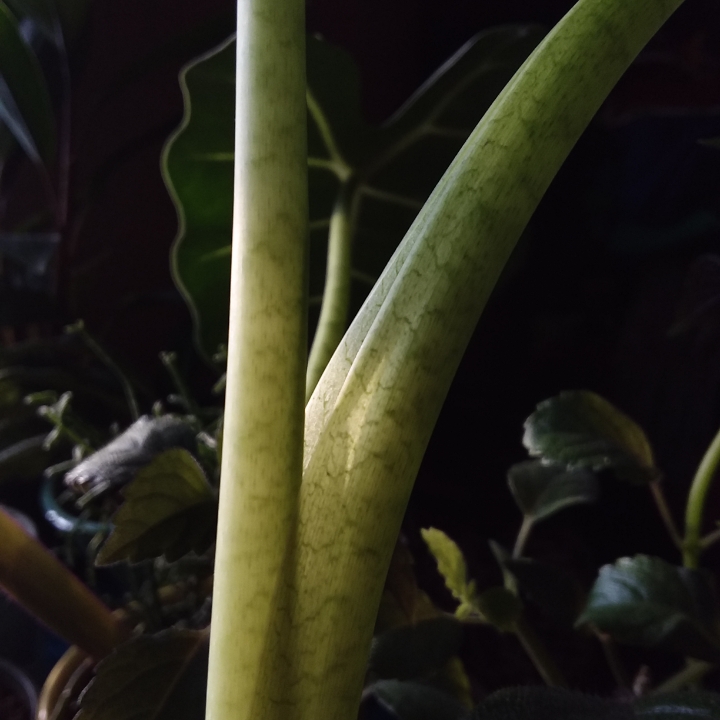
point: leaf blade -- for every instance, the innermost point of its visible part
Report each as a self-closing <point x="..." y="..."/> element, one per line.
<point x="169" y="509"/>
<point x="645" y="601"/>
<point x="581" y="429"/>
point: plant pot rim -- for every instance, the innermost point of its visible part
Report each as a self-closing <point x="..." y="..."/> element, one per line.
<point x="61" y="681"/>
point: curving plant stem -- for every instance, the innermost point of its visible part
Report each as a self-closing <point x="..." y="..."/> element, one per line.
<point x="264" y="401"/>
<point x="336" y="296"/>
<point x="371" y="416"/>
<point x="692" y="544"/>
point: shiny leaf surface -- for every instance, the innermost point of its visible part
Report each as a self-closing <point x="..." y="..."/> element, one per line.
<point x="580" y="429"/>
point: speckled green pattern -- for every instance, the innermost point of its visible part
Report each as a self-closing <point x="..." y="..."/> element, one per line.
<point x="372" y="414"/>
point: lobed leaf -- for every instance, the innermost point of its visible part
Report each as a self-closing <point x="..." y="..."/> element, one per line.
<point x="393" y="169"/>
<point x="450" y="562"/>
<point x="580" y="429"/>
<point x="156" y="677"/>
<point x="541" y="490"/>
<point x="646" y="601"/>
<point x="169" y="509"/>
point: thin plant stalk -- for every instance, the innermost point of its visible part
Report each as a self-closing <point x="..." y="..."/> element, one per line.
<point x="336" y="297"/>
<point x="264" y="400"/>
<point x="692" y="544"/>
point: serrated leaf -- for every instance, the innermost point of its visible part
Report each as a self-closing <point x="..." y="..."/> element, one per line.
<point x="539" y="703"/>
<point x="450" y="562"/>
<point x="25" y="106"/>
<point x="157" y="677"/>
<point x="541" y="489"/>
<point x="580" y="429"/>
<point x="169" y="509"/>
<point x="550" y="588"/>
<point x="646" y="601"/>
<point x="700" y="705"/>
<point x="414" y="701"/>
<point x="415" y="651"/>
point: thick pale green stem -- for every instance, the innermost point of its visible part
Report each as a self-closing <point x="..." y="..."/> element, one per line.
<point x="369" y="422"/>
<point x="263" y="424"/>
<point x="692" y="545"/>
<point x="336" y="296"/>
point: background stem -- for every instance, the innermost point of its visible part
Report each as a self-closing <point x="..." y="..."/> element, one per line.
<point x="692" y="546"/>
<point x="336" y="297"/>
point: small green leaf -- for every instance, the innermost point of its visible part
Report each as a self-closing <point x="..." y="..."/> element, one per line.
<point x="413" y="652"/>
<point x="451" y="564"/>
<point x="414" y="701"/>
<point x="169" y="509"/>
<point x="551" y="588"/>
<point x="541" y="489"/>
<point x="25" y="106"/>
<point x="580" y="429"/>
<point x="646" y="601"/>
<point x="500" y="607"/>
<point x="679" y="706"/>
<point x="157" y="677"/>
<point x="539" y="703"/>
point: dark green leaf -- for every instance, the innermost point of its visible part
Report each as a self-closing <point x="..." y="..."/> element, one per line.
<point x="552" y="589"/>
<point x="198" y="171"/>
<point x="414" y="701"/>
<point x="158" y="677"/>
<point x="415" y="651"/>
<point x="169" y="509"/>
<point x="646" y="601"/>
<point x="538" y="703"/>
<point x="25" y="106"/>
<point x="581" y="429"/>
<point x="393" y="169"/>
<point x="500" y="607"/>
<point x="679" y="706"/>
<point x="541" y="489"/>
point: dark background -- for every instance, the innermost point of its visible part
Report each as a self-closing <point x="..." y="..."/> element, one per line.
<point x="615" y="257"/>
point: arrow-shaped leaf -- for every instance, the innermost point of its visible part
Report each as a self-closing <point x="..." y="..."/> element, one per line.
<point x="169" y="509"/>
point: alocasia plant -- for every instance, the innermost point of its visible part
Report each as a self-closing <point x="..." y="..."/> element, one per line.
<point x="302" y="553"/>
